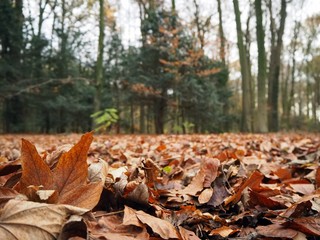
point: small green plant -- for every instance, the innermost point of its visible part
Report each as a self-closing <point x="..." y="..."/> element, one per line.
<point x="188" y="126"/>
<point x="105" y="118"/>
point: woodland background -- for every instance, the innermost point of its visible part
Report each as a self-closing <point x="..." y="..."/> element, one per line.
<point x="190" y="68"/>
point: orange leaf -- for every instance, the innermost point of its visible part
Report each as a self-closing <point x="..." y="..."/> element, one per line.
<point x="34" y="169"/>
<point x="72" y="169"/>
<point x="254" y="180"/>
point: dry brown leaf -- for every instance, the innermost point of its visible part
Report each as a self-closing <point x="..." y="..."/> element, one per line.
<point x="130" y="217"/>
<point x="10" y="167"/>
<point x="162" y="227"/>
<point x="257" y="198"/>
<point x="220" y="192"/>
<point x="276" y="231"/>
<point x="69" y="178"/>
<point x="74" y="229"/>
<point x="72" y="169"/>
<point x="34" y="169"/>
<point x="254" y="180"/>
<point x="85" y="196"/>
<point x="187" y="234"/>
<point x="138" y="194"/>
<point x="223" y="231"/>
<point x="207" y="174"/>
<point x="31" y="220"/>
<point x="307" y="225"/>
<point x="205" y="195"/>
<point x="98" y="171"/>
<point x="53" y="157"/>
<point x="211" y="169"/>
<point x="6" y="194"/>
<point x="111" y="227"/>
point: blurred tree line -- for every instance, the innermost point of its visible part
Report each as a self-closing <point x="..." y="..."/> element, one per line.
<point x="167" y="84"/>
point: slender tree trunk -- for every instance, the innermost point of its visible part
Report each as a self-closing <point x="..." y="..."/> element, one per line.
<point x="142" y="118"/>
<point x="132" y="118"/>
<point x="222" y="51"/>
<point x="99" y="67"/>
<point x="160" y="105"/>
<point x="262" y="116"/>
<point x="245" y="74"/>
<point x="200" y="32"/>
<point x="274" y="68"/>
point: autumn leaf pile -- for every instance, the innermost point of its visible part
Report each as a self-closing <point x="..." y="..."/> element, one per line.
<point x="227" y="186"/>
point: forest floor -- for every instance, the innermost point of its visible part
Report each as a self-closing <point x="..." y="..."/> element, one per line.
<point x="224" y="186"/>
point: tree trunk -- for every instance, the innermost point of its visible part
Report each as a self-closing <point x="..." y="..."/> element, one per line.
<point x="274" y="68"/>
<point x="262" y="116"/>
<point x="142" y="118"/>
<point x="245" y="74"/>
<point x="160" y="105"/>
<point x="200" y="32"/>
<point x="222" y="51"/>
<point x="99" y="67"/>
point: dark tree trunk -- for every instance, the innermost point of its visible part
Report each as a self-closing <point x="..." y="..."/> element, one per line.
<point x="274" y="67"/>
<point x="245" y="74"/>
<point x="262" y="116"/>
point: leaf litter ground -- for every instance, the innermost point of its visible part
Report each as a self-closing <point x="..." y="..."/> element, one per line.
<point x="227" y="186"/>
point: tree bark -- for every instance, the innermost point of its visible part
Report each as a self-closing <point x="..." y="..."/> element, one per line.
<point x="245" y="74"/>
<point x="262" y="116"/>
<point x="99" y="67"/>
<point x="274" y="67"/>
<point x="222" y="51"/>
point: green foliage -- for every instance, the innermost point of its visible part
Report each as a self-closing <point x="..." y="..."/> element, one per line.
<point x="105" y="118"/>
<point x="167" y="169"/>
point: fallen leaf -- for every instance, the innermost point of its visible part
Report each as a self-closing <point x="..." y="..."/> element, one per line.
<point x="10" y="167"/>
<point x="205" y="195"/>
<point x="31" y="220"/>
<point x="162" y="227"/>
<point x="187" y="235"/>
<point x="86" y="196"/>
<point x="6" y="194"/>
<point x="211" y="171"/>
<point x="257" y="198"/>
<point x="276" y="231"/>
<point x="74" y="227"/>
<point x="254" y="180"/>
<point x="206" y="175"/>
<point x="72" y="169"/>
<point x="111" y="227"/>
<point x="307" y="225"/>
<point x="220" y="192"/>
<point x="34" y="169"/>
<point x="69" y="178"/>
<point x="223" y="231"/>
<point x="53" y="157"/>
<point x="98" y="171"/>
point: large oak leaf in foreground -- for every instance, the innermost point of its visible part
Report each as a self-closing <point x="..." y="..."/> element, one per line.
<point x="69" y="178"/>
